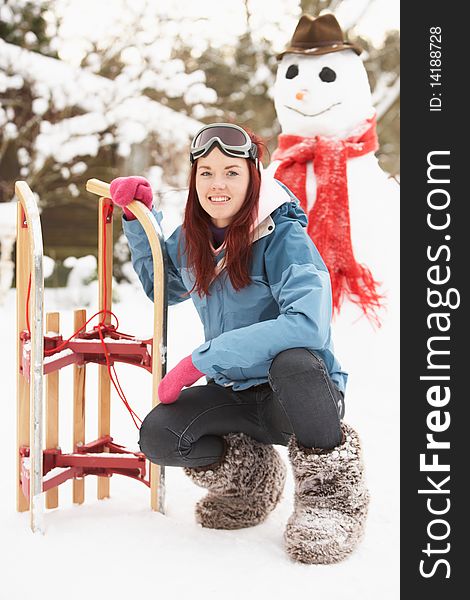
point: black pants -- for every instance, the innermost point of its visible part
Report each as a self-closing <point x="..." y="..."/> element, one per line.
<point x="300" y="398"/>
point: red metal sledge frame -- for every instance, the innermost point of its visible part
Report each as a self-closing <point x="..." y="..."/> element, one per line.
<point x="38" y="469"/>
<point x="90" y="459"/>
<point x="86" y="347"/>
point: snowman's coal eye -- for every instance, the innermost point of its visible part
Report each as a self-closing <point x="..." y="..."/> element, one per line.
<point x="292" y="72"/>
<point x="327" y="75"/>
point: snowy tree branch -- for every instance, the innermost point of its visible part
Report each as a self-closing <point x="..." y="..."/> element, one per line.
<point x="388" y="99"/>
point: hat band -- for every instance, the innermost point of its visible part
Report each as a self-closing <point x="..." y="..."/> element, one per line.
<point x="317" y="44"/>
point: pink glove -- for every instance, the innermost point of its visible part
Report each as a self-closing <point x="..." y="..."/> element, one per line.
<point x="183" y="375"/>
<point x="126" y="189"/>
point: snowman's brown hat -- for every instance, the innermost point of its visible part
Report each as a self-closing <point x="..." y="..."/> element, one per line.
<point x="320" y="35"/>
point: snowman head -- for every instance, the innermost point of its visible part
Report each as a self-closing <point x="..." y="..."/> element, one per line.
<point x="321" y="86"/>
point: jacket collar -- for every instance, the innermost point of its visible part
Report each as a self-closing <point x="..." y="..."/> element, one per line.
<point x="272" y="195"/>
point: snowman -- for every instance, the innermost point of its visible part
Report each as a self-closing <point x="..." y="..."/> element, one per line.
<point x="325" y="155"/>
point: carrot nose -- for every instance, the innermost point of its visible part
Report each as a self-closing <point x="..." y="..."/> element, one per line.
<point x="300" y="95"/>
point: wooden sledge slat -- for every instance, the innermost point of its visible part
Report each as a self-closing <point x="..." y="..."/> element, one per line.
<point x="22" y="409"/>
<point x="52" y="409"/>
<point x="79" y="382"/>
<point x="100" y="188"/>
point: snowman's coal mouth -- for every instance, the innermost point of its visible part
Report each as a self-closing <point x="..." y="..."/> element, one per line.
<point x="315" y="114"/>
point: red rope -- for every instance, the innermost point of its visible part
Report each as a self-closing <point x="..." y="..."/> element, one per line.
<point x="100" y="327"/>
<point x="118" y="389"/>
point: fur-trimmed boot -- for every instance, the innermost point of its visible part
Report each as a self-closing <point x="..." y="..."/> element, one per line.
<point x="330" y="503"/>
<point x="244" y="487"/>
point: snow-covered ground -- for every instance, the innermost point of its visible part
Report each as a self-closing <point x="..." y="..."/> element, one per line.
<point x="120" y="548"/>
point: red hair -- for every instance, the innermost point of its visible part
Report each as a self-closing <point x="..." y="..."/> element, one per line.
<point x="200" y="257"/>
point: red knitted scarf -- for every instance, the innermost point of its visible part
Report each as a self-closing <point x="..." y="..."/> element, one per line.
<point x="328" y="221"/>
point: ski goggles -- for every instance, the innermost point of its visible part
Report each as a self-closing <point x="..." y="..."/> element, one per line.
<point x="231" y="139"/>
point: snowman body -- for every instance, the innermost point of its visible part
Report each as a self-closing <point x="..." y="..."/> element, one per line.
<point x="329" y="96"/>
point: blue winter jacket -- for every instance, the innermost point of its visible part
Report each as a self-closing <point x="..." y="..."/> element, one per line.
<point x="287" y="305"/>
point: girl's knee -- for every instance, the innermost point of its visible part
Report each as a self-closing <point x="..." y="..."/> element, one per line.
<point x="149" y="433"/>
<point x="158" y="439"/>
<point x="294" y="361"/>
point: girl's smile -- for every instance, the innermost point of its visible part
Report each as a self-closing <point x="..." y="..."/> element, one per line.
<point x="218" y="199"/>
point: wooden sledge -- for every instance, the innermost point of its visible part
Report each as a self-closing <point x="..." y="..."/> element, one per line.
<point x="42" y="467"/>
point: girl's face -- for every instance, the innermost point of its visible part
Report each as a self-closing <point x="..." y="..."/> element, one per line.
<point x="221" y="185"/>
